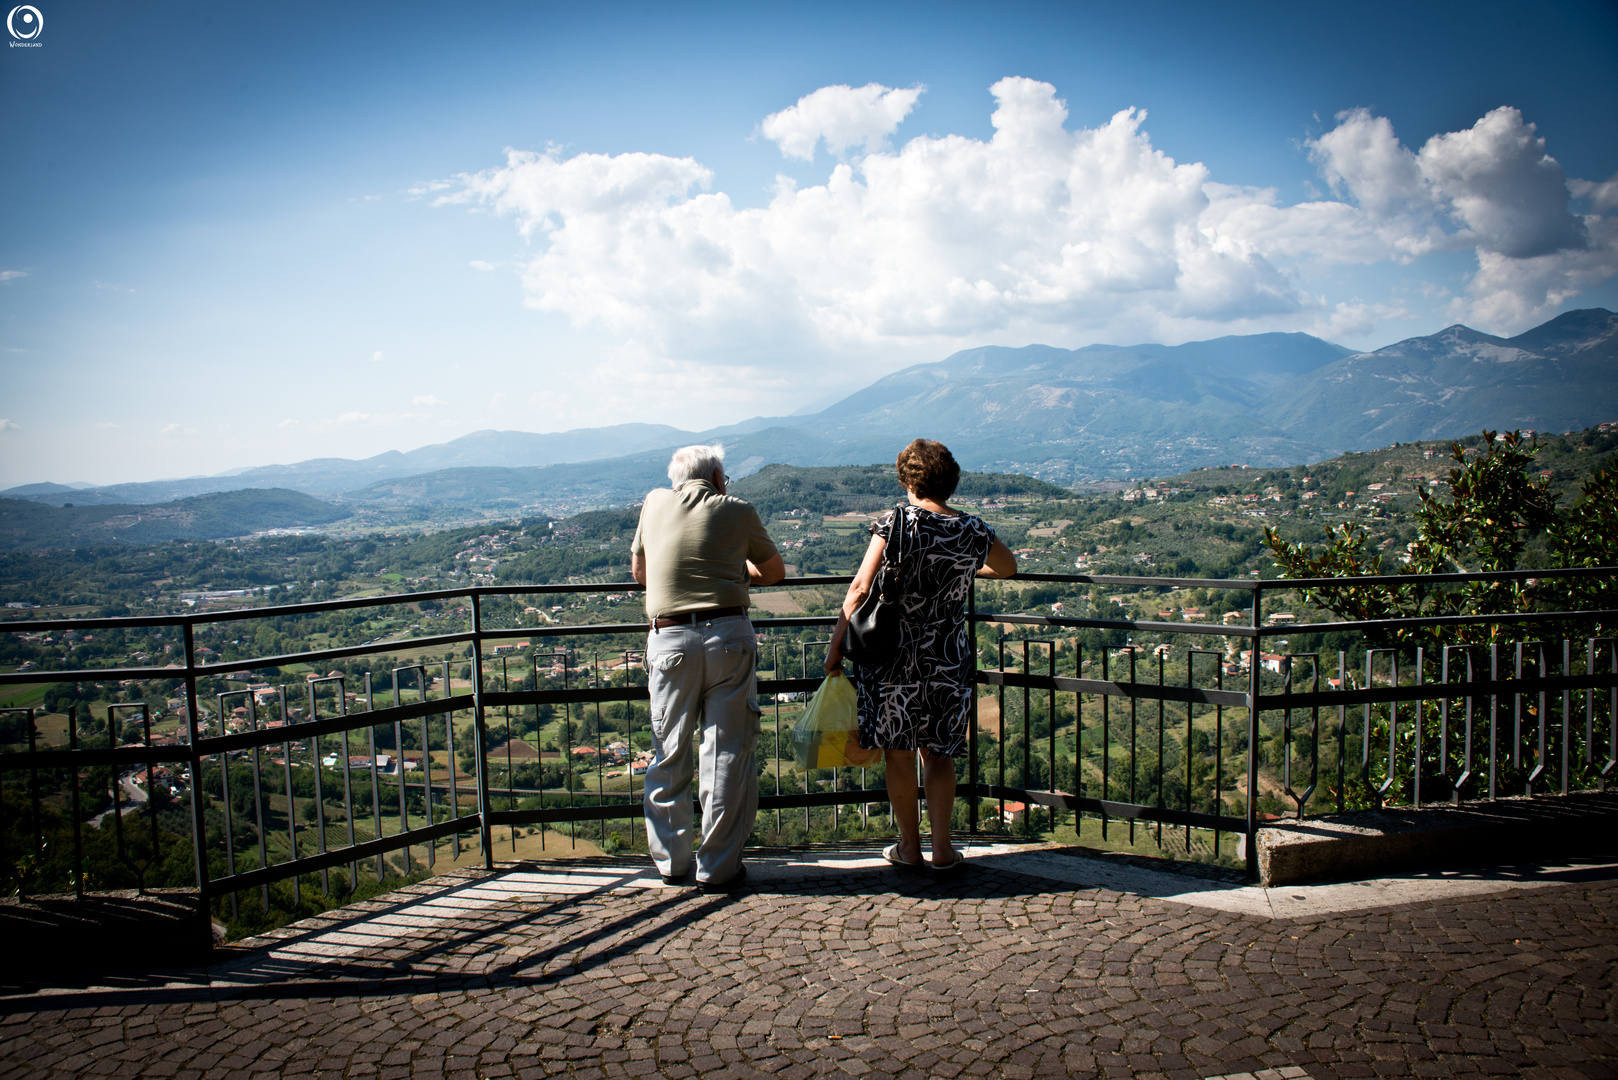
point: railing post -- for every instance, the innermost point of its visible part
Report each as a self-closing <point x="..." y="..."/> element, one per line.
<point x="33" y="791"/>
<point x="199" y="825"/>
<point x="972" y="730"/>
<point x="78" y="818"/>
<point x="1567" y="705"/>
<point x="485" y="804"/>
<point x="1255" y="665"/>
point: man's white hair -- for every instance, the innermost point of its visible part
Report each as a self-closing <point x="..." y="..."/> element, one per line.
<point x="696" y="463"/>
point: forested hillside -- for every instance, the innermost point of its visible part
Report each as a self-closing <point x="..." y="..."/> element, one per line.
<point x="32" y="526"/>
<point x="778" y="489"/>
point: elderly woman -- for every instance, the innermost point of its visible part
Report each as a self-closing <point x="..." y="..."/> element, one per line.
<point x="922" y="698"/>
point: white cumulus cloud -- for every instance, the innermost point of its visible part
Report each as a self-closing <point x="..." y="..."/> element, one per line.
<point x="1037" y="227"/>
<point x="9" y="425"/>
<point x="844" y="116"/>
<point x="1520" y="293"/>
<point x="428" y="400"/>
<point x="1490" y="188"/>
<point x="8" y="276"/>
<point x="1497" y="180"/>
<point x="1039" y="233"/>
<point x="1602" y="196"/>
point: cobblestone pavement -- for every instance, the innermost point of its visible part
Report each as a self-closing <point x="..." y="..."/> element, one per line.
<point x="848" y="967"/>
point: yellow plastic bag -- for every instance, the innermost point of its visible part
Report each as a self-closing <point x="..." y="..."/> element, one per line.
<point x="828" y="735"/>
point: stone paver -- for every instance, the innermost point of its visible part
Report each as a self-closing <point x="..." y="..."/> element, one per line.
<point x="1018" y="965"/>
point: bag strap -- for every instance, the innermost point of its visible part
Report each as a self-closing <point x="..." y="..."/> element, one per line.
<point x="893" y="558"/>
<point x="896" y="538"/>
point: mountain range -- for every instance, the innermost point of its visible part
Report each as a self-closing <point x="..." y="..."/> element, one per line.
<point x="1071" y="416"/>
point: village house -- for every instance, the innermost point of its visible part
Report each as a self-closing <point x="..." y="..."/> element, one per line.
<point x="1274" y="663"/>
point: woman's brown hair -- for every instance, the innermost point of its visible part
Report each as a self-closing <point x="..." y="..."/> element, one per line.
<point x="928" y="469"/>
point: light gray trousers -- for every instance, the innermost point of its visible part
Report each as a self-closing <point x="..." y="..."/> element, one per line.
<point x="702" y="673"/>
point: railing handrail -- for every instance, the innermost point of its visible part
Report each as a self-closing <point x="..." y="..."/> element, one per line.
<point x="315" y="607"/>
<point x="197" y="748"/>
<point x="479" y="591"/>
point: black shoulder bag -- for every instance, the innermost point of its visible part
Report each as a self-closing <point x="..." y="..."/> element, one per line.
<point x="872" y="638"/>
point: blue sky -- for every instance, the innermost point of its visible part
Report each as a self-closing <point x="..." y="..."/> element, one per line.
<point x="241" y="234"/>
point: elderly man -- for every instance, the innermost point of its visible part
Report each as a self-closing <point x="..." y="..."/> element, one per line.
<point x="696" y="551"/>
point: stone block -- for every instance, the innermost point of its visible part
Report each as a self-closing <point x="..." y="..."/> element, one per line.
<point x="1374" y="843"/>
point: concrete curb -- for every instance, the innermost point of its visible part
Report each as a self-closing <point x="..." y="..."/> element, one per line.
<point x="1374" y="843"/>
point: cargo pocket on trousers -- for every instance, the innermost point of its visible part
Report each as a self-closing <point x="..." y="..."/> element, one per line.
<point x="663" y="662"/>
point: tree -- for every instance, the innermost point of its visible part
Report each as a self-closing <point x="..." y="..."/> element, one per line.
<point x="1496" y="514"/>
<point x="1498" y="518"/>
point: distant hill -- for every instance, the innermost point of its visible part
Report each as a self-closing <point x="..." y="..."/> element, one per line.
<point x="33" y="490"/>
<point x="603" y="484"/>
<point x="27" y="525"/>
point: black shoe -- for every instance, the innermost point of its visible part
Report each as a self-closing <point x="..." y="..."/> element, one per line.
<point x="736" y="881"/>
<point x="675" y="879"/>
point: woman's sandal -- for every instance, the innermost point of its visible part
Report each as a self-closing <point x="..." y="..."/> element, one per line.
<point x="891" y="853"/>
<point x="951" y="865"/>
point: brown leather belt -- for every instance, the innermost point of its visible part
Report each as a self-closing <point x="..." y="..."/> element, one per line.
<point x="686" y="618"/>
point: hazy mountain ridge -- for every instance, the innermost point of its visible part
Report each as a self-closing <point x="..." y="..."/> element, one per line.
<point x="331" y="476"/>
<point x="1081" y="414"/>
<point x="1064" y="415"/>
<point x="1560" y="376"/>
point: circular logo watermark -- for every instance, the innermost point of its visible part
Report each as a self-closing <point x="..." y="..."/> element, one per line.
<point x="25" y="22"/>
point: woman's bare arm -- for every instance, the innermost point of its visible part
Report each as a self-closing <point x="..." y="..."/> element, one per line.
<point x="1001" y="562"/>
<point x="858" y="589"/>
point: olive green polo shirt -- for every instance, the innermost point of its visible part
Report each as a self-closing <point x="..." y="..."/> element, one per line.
<point x="696" y="544"/>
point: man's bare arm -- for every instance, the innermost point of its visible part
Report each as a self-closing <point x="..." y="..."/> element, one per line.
<point x="773" y="570"/>
<point x="637" y="567"/>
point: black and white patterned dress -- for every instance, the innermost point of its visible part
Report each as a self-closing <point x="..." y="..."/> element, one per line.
<point x="923" y="696"/>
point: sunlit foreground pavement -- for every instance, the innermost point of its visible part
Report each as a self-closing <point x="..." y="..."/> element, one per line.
<point x="1026" y="961"/>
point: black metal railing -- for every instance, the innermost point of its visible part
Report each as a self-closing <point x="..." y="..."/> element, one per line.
<point x="1154" y="756"/>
